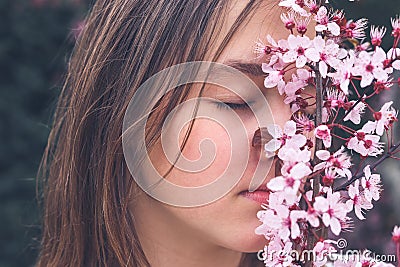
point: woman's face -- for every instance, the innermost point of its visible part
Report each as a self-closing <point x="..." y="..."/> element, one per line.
<point x="230" y="221"/>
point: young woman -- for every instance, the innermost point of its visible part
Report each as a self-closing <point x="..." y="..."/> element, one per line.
<point x="96" y="211"/>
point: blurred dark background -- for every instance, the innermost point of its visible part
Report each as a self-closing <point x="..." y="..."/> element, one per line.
<point x="36" y="40"/>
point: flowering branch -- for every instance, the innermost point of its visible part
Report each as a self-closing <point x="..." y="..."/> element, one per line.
<point x="313" y="239"/>
<point x="303" y="203"/>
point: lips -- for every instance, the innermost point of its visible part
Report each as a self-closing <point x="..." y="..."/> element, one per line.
<point x="260" y="195"/>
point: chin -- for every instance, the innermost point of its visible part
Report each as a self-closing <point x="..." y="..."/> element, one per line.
<point x="248" y="241"/>
<point x="251" y="246"/>
<point x="246" y="238"/>
<point x="254" y="244"/>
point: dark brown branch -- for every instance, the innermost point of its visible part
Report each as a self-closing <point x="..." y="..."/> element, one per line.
<point x="319" y="97"/>
<point x="388" y="154"/>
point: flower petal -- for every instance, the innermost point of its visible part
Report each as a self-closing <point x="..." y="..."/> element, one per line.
<point x="335" y="226"/>
<point x="312" y="54"/>
<point x="273" y="145"/>
<point x="277" y="183"/>
<point x="290" y="128"/>
<point x="323" y="154"/>
<point x="275" y="130"/>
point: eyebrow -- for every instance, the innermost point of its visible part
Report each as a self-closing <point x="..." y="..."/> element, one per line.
<point x="246" y="67"/>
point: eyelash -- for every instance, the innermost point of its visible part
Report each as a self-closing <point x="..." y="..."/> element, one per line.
<point x="234" y="106"/>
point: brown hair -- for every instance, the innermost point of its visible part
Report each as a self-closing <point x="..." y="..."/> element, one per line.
<point x="86" y="185"/>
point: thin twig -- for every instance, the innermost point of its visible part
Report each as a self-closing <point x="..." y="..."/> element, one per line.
<point x="388" y="154"/>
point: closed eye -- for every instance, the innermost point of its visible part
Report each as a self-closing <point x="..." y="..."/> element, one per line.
<point x="234" y="106"/>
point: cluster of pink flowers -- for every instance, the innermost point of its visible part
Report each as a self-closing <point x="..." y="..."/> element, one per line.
<point x="305" y="196"/>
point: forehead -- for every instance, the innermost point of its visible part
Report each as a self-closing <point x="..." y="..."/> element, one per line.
<point x="263" y="20"/>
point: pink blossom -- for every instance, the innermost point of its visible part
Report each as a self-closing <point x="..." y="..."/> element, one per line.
<point x="359" y="260"/>
<point x="370" y="66"/>
<point x="396" y="26"/>
<point x="312" y="215"/>
<point x="275" y="74"/>
<point x="325" y="54"/>
<point x="288" y="19"/>
<point x="396" y="234"/>
<point x="355" y="114"/>
<point x="294" y="6"/>
<point x="295" y="216"/>
<point x="299" y="81"/>
<point x="365" y="144"/>
<point x="323" y="132"/>
<point x="290" y="182"/>
<point x="302" y="24"/>
<point x="391" y="61"/>
<point x="396" y="64"/>
<point x="330" y="176"/>
<point x="281" y="259"/>
<point x="265" y="229"/>
<point x="326" y="114"/>
<point x="371" y="184"/>
<point x="369" y="127"/>
<point x="322" y="250"/>
<point x="295" y="163"/>
<point x="260" y="49"/>
<point x="332" y="210"/>
<point x="297" y="47"/>
<point x="287" y="184"/>
<point x="356" y="29"/>
<point x="282" y="198"/>
<point x="275" y="49"/>
<point x="377" y="35"/>
<point x="392" y="55"/>
<point x="363" y="46"/>
<point x="324" y="24"/>
<point x="303" y="123"/>
<point x="281" y="221"/>
<point x="337" y="16"/>
<point x="358" y="200"/>
<point x="339" y="161"/>
<point x="283" y="218"/>
<point x="294" y="154"/>
<point x="282" y="137"/>
<point x="343" y="73"/>
<point x="313" y="6"/>
<point x="296" y="167"/>
<point x="334" y="98"/>
<point x="385" y="117"/>
<point x="276" y="202"/>
<point x="281" y="45"/>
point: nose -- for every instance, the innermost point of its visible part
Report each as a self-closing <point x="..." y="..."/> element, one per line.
<point x="267" y="165"/>
<point x="280" y="114"/>
<point x="261" y="137"/>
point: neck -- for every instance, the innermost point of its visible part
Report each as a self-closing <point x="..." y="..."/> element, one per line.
<point x="167" y="242"/>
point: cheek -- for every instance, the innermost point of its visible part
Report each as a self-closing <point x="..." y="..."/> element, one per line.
<point x="205" y="156"/>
